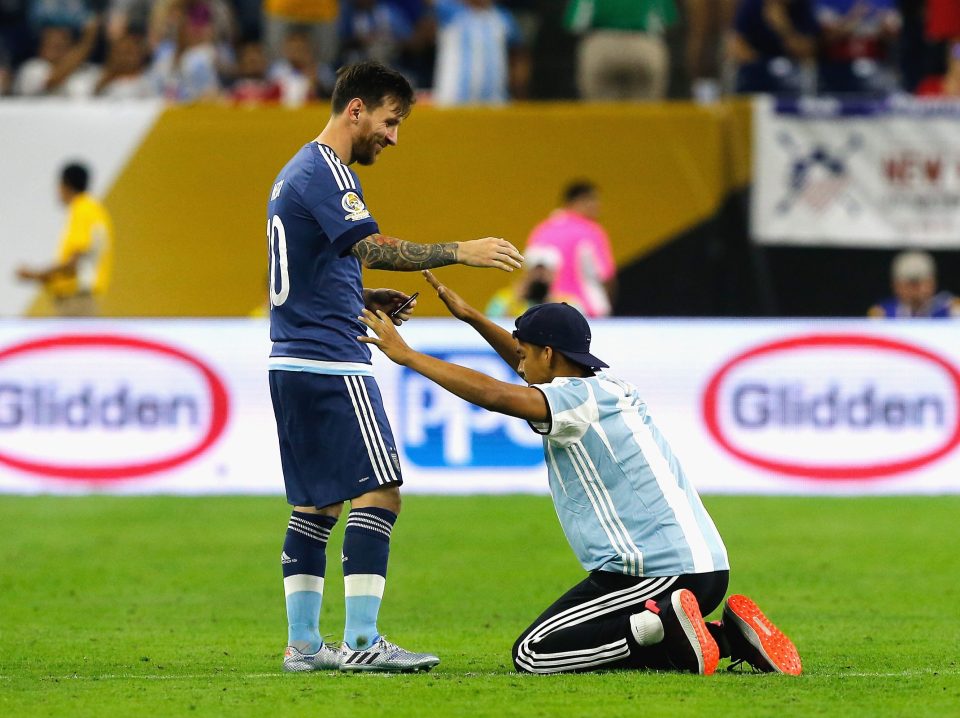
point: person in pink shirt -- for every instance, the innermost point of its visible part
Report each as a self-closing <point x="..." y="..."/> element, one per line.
<point x="585" y="268"/>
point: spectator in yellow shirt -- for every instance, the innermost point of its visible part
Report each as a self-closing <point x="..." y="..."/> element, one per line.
<point x="81" y="273"/>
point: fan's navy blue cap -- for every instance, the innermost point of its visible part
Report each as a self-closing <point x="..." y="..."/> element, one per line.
<point x="560" y="327"/>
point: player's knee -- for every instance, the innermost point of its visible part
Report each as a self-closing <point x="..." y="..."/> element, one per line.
<point x="522" y="664"/>
<point x="520" y="668"/>
<point x="387" y="498"/>
<point x="391" y="499"/>
<point x="332" y="510"/>
<point x="518" y="664"/>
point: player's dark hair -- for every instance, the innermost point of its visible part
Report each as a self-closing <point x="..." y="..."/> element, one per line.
<point x="76" y="176"/>
<point x="372" y="82"/>
<point x="577" y="190"/>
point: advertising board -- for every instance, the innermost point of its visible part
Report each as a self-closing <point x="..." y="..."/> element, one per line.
<point x="766" y="407"/>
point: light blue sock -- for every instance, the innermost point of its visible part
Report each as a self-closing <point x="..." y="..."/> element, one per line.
<point x="366" y="548"/>
<point x="303" y="608"/>
<point x="304" y="562"/>
<point x="360" y="630"/>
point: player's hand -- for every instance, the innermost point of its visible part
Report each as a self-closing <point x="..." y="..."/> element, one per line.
<point x="489" y="252"/>
<point x="455" y="303"/>
<point x="386" y="336"/>
<point x="388" y="300"/>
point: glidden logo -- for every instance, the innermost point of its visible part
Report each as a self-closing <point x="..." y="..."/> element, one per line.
<point x="104" y="407"/>
<point x="835" y="406"/>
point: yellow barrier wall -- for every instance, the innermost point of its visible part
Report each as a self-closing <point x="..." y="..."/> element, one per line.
<point x="190" y="206"/>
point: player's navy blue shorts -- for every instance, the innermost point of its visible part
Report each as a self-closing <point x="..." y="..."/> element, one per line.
<point x="335" y="440"/>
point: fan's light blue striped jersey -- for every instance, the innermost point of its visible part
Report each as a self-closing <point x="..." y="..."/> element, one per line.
<point x="620" y="494"/>
<point x="473" y="47"/>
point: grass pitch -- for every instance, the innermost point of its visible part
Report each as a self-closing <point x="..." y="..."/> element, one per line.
<point x="173" y="607"/>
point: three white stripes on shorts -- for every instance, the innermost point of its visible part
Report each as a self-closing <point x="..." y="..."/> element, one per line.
<point x="383" y="469"/>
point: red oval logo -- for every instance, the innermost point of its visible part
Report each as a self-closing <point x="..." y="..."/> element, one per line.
<point x="40" y="404"/>
<point x="841" y="416"/>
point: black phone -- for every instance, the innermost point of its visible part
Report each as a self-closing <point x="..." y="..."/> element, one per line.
<point x="399" y="310"/>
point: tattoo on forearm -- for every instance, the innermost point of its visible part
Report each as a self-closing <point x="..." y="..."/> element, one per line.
<point x="381" y="252"/>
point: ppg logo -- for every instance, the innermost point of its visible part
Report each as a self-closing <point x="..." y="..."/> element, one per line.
<point x="440" y="429"/>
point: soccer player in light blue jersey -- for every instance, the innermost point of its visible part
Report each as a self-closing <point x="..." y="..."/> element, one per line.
<point x="335" y="440"/>
<point x="656" y="562"/>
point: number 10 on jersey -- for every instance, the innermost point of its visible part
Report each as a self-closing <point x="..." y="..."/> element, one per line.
<point x="277" y="248"/>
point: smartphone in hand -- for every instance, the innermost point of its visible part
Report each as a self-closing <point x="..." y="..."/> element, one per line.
<point x="403" y="307"/>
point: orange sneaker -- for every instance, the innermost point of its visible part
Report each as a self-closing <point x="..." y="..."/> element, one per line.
<point x="689" y="644"/>
<point x="754" y="639"/>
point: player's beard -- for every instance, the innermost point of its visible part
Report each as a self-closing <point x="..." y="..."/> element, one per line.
<point x="365" y="153"/>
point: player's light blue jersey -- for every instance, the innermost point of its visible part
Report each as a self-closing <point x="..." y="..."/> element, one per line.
<point x="315" y="215"/>
<point x="622" y="498"/>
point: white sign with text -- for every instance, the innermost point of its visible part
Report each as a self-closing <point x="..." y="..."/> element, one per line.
<point x="779" y="407"/>
<point x="858" y="172"/>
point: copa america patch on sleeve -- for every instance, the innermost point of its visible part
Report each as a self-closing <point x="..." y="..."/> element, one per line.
<point x="354" y="207"/>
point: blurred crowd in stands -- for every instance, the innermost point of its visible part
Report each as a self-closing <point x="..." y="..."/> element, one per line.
<point x="478" y="51"/>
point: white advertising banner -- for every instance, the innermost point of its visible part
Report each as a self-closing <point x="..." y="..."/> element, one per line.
<point x="869" y="173"/>
<point x="801" y="407"/>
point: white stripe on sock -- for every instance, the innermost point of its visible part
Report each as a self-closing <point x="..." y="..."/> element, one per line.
<point x="362" y="522"/>
<point x="372" y="518"/>
<point x="364" y="584"/>
<point x="302" y="582"/>
<point x="306" y="532"/>
<point x="318" y="532"/>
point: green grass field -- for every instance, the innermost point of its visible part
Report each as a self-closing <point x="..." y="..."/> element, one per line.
<point x="173" y="607"/>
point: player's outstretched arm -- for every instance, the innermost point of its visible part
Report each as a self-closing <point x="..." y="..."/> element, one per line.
<point x="496" y="336"/>
<point x="473" y="386"/>
<point x="379" y="251"/>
